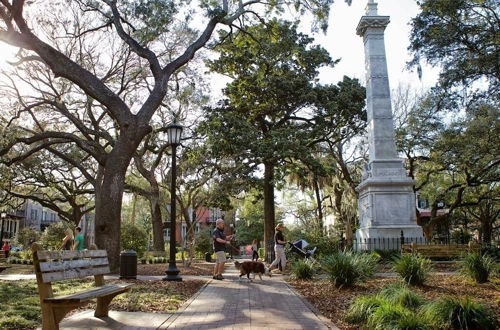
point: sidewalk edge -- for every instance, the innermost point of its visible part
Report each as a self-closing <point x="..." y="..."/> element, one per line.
<point x="328" y="323"/>
<point x="183" y="307"/>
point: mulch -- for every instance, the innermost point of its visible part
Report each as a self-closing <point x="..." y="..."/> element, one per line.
<point x="333" y="302"/>
<point x="199" y="268"/>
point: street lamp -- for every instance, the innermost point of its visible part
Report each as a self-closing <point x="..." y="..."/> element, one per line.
<point x="174" y="132"/>
<point x="3" y="216"/>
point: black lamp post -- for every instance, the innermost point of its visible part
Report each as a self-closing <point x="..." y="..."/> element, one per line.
<point x="174" y="132"/>
<point x="3" y="216"/>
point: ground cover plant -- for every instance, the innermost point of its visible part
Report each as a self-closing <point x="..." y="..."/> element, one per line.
<point x="412" y="268"/>
<point x="334" y="303"/>
<point x="302" y="269"/>
<point x="20" y="308"/>
<point x="477" y="266"/>
<point x="347" y="268"/>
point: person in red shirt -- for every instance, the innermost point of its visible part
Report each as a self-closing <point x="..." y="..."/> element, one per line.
<point x="6" y="249"/>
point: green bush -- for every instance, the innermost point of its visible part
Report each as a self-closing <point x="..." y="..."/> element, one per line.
<point x="347" y="268"/>
<point x="204" y="241"/>
<point x="53" y="235"/>
<point x="25" y="237"/>
<point x="400" y="294"/>
<point x="362" y="308"/>
<point x="459" y="313"/>
<point x="414" y="269"/>
<point x="133" y="237"/>
<point x="477" y="266"/>
<point x="302" y="269"/>
<point x="396" y="317"/>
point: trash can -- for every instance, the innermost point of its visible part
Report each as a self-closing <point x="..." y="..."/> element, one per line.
<point x="208" y="257"/>
<point x="128" y="265"/>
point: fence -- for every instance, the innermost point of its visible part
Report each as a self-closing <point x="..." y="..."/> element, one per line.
<point x="385" y="243"/>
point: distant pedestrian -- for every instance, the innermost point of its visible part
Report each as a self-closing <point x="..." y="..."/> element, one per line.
<point x="255" y="251"/>
<point x="220" y="241"/>
<point x="78" y="245"/>
<point x="67" y="243"/>
<point x="6" y="249"/>
<point x="279" y="248"/>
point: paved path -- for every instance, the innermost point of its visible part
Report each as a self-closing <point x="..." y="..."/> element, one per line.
<point x="228" y="304"/>
<point x="231" y="304"/>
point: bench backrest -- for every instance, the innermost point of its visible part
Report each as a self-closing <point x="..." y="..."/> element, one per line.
<point x="440" y="249"/>
<point x="52" y="266"/>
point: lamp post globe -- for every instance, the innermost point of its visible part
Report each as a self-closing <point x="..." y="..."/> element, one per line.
<point x="174" y="134"/>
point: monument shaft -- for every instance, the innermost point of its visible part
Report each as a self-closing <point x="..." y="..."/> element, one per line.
<point x="386" y="198"/>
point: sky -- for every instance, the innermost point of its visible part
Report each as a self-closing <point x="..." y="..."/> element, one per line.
<point x="342" y="42"/>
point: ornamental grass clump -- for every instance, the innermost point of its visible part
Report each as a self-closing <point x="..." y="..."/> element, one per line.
<point x="363" y="307"/>
<point x="477" y="266"/>
<point x="396" y="317"/>
<point x="412" y="268"/>
<point x="348" y="268"/>
<point x="400" y="294"/>
<point x="302" y="269"/>
<point x="459" y="313"/>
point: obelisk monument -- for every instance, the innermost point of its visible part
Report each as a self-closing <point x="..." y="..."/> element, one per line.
<point x="386" y="198"/>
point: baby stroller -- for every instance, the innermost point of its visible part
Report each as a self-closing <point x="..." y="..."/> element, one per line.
<point x="299" y="247"/>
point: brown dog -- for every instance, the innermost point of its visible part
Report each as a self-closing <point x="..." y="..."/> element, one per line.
<point x="255" y="267"/>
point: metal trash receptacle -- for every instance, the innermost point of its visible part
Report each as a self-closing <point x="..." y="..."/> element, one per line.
<point x="128" y="265"/>
<point x="208" y="257"/>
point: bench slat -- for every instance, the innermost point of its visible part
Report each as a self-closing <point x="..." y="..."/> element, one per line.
<point x="90" y="294"/>
<point x="44" y="255"/>
<point x="61" y="265"/>
<point x="74" y="273"/>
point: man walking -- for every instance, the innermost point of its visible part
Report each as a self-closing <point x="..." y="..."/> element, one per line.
<point x="78" y="245"/>
<point x="220" y="241"/>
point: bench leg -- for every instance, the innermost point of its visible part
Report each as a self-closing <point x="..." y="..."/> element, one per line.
<point x="102" y="308"/>
<point x="53" y="315"/>
<point x="48" y="319"/>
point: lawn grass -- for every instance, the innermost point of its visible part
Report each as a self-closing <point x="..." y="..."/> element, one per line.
<point x="20" y="304"/>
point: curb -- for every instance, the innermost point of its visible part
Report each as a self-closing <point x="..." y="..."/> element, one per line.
<point x="328" y="323"/>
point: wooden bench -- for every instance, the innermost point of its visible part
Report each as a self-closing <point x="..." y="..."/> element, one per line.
<point x="53" y="266"/>
<point x="440" y="250"/>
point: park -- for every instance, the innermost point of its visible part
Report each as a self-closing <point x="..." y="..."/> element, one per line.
<point x="250" y="164"/>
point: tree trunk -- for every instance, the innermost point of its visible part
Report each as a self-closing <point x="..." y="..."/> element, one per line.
<point x="156" y="220"/>
<point x="108" y="222"/>
<point x="269" y="214"/>
<point x="486" y="229"/>
<point x="110" y="194"/>
<point x="319" y="204"/>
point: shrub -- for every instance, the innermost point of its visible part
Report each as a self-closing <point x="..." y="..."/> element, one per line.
<point x="400" y="294"/>
<point x="459" y="313"/>
<point x="303" y="269"/>
<point x="134" y="238"/>
<point x="477" y="266"/>
<point x="53" y="235"/>
<point x="203" y="241"/>
<point x="362" y="308"/>
<point x="412" y="268"/>
<point x="347" y="268"/>
<point x="395" y="317"/>
<point x="25" y="237"/>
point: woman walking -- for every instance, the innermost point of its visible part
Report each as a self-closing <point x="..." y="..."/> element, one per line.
<point x="255" y="251"/>
<point x="279" y="248"/>
<point x="67" y="240"/>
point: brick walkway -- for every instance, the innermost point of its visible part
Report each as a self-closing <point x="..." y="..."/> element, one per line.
<point x="231" y="304"/>
<point x="228" y="304"/>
